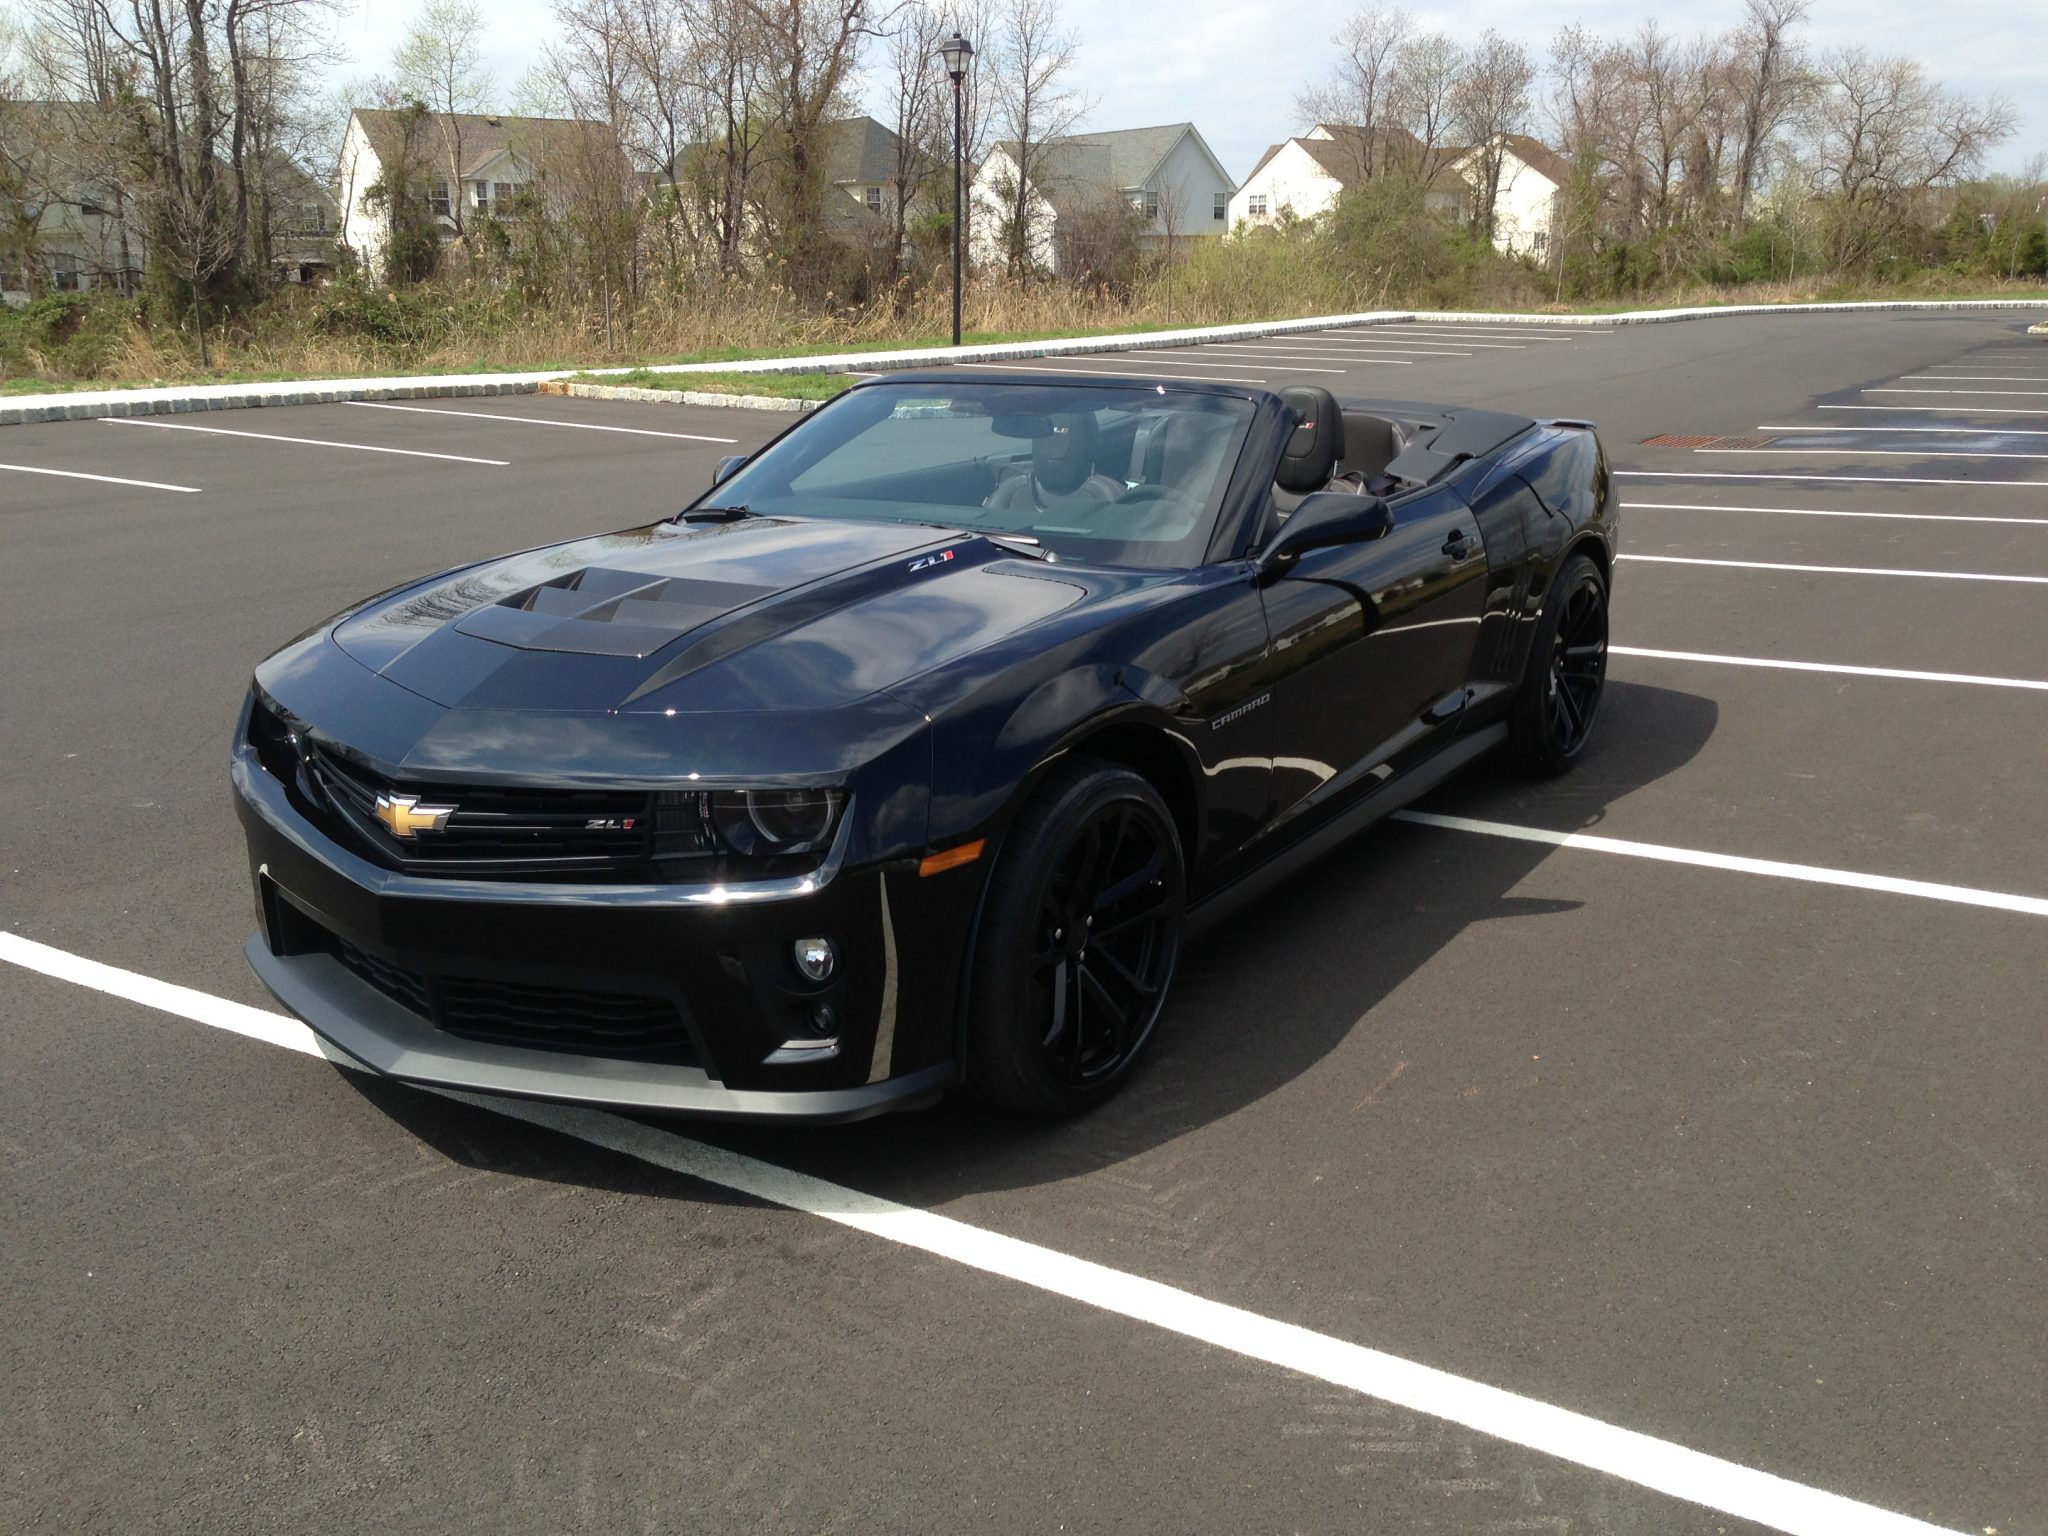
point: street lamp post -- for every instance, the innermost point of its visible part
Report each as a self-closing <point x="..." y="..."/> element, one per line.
<point x="956" y="51"/>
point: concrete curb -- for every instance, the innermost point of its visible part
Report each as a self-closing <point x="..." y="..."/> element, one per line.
<point x="675" y="396"/>
<point x="82" y="404"/>
<point x="1717" y="311"/>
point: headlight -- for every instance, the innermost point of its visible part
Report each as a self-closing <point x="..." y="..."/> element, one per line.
<point x="751" y="823"/>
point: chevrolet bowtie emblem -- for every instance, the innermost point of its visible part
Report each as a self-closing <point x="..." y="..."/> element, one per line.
<point x="407" y="818"/>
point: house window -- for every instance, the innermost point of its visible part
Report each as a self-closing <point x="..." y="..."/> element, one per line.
<point x="64" y="272"/>
<point x="1257" y="206"/>
<point x="1539" y="239"/>
<point x="874" y="199"/>
<point x="1151" y="205"/>
<point x="312" y="219"/>
<point x="480" y="197"/>
<point x="437" y="199"/>
<point x="1222" y="207"/>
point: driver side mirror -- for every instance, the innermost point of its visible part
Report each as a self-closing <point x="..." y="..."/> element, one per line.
<point x="727" y="468"/>
<point x="1324" y="519"/>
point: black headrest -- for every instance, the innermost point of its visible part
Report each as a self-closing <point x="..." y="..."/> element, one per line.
<point x="1065" y="456"/>
<point x="1317" y="442"/>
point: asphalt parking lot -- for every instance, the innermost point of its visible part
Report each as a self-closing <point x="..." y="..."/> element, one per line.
<point x="1721" y="1125"/>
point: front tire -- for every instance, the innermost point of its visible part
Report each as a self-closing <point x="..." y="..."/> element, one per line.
<point x="1553" y="713"/>
<point x="1078" y="942"/>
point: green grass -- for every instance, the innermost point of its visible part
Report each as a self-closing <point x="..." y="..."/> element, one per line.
<point x="783" y="386"/>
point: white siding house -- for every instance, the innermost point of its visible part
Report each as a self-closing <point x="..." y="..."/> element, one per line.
<point x="1525" y="203"/>
<point x="1167" y="175"/>
<point x="468" y="166"/>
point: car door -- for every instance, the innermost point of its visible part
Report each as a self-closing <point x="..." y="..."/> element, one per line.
<point x="1372" y="647"/>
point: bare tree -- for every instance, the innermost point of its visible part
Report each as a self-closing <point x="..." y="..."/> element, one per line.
<point x="1769" y="81"/>
<point x="1362" y="91"/>
<point x="1491" y="100"/>
<point x="1427" y="70"/>
<point x="920" y="104"/>
<point x="1034" y="105"/>
<point x="809" y="49"/>
<point x="439" y="63"/>
<point x="1884" y="137"/>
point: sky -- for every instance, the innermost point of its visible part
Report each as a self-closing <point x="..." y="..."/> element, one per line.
<point x="1234" y="67"/>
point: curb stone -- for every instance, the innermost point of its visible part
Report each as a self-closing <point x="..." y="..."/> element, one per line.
<point x="676" y="396"/>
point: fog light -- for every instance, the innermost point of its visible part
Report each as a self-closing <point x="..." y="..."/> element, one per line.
<point x="815" y="958"/>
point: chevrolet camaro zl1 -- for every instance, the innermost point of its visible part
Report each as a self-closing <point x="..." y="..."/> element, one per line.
<point x="904" y="758"/>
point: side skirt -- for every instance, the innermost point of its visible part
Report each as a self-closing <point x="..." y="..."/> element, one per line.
<point x="1349" y="823"/>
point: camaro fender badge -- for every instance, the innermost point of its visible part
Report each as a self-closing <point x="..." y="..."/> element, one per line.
<point x="941" y="558"/>
<point x="1240" y="712"/>
<point x="404" y="816"/>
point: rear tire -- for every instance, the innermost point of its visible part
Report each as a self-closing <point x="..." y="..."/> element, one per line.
<point x="1555" y="707"/>
<point x="1078" y="942"/>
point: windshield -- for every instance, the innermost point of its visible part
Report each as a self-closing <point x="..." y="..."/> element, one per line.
<point x="1119" y="476"/>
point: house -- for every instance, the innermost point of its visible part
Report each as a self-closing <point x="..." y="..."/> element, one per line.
<point x="863" y="160"/>
<point x="1302" y="178"/>
<point x="470" y="167"/>
<point x="1167" y="176"/>
<point x="301" y="218"/>
<point x="1532" y="175"/>
<point x="65" y="225"/>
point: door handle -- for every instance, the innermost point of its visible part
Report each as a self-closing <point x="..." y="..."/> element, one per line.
<point x="1456" y="546"/>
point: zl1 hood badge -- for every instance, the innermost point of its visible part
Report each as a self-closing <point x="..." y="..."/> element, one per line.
<point x="929" y="561"/>
<point x="405" y="817"/>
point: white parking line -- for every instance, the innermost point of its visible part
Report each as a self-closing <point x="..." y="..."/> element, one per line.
<point x="1489" y="335"/>
<point x="1909" y="517"/>
<point x="1886" y="453"/>
<point x="1836" y="570"/>
<point x="1159" y="362"/>
<point x="1644" y="1460"/>
<point x="1727" y="474"/>
<point x="1815" y="874"/>
<point x="546" y="421"/>
<point x="1375" y="355"/>
<point x="77" y="474"/>
<point x="1420" y="343"/>
<point x="1295" y="357"/>
<point x="1895" y="390"/>
<point x="1954" y="431"/>
<point x="1216" y="378"/>
<point x="1945" y="410"/>
<point x="303" y="442"/>
<point x="1897" y="674"/>
<point x="1976" y="378"/>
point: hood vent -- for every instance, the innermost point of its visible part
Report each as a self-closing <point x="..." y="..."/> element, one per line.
<point x="600" y="611"/>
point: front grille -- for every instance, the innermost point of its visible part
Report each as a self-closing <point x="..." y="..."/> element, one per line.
<point x="568" y="1019"/>
<point x="588" y="828"/>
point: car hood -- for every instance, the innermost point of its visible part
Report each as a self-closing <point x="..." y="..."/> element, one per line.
<point x="763" y="614"/>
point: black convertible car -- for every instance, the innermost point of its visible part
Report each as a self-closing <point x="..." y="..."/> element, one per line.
<point x="905" y="757"/>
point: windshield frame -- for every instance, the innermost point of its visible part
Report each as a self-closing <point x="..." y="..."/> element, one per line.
<point x="789" y="455"/>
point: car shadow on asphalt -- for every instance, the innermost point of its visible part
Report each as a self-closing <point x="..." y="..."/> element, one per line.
<point x="1260" y="999"/>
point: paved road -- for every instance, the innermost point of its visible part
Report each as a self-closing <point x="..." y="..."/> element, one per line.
<point x="1749" y="1163"/>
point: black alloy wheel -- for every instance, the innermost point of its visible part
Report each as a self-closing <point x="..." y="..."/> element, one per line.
<point x="1553" y="715"/>
<point x="1078" y="942"/>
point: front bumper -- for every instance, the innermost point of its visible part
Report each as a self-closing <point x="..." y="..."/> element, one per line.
<point x="745" y="1040"/>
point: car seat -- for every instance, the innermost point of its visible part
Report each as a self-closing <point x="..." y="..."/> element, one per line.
<point x="1313" y="448"/>
<point x="1062" y="477"/>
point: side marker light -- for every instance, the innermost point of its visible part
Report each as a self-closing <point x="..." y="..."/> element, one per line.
<point x="952" y="858"/>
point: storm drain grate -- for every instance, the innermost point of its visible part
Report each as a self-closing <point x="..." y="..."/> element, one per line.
<point x="1697" y="440"/>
